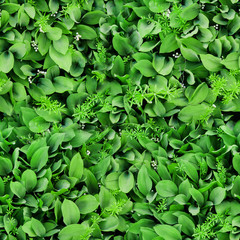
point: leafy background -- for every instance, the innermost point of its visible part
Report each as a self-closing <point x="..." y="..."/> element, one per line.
<point x="119" y="119"/>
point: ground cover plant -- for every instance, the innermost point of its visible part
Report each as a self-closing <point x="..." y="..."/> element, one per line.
<point x="119" y="119"/>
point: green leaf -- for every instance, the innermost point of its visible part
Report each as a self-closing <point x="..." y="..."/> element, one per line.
<point x="146" y="68"/>
<point x="106" y="198"/>
<point x="166" y="188"/>
<point x="199" y="94"/>
<point x="55" y="141"/>
<point x="236" y="187"/>
<point x="109" y="224"/>
<point x="2" y="187"/>
<point x="62" y="84"/>
<point x="74" y="13"/>
<point x="19" y="50"/>
<point x="63" y="61"/>
<point x="211" y="63"/>
<point x="4" y="19"/>
<point x="54" y="33"/>
<point x="144" y="28"/>
<point x="38" y="227"/>
<point x="118" y="67"/>
<point x="197" y="196"/>
<point x="27" y="70"/>
<point x="234" y="25"/>
<point x="193" y="113"/>
<point x="19" y="92"/>
<point x="76" y="167"/>
<point x="187" y="225"/>
<point x="93" y="17"/>
<point x="86" y="32"/>
<point x="35" y="145"/>
<point x="43" y="43"/>
<point x="29" y="179"/>
<point x="27" y="228"/>
<point x="189" y="54"/>
<point x="148" y="46"/>
<point x="158" y="6"/>
<point x="39" y="158"/>
<point x="30" y="10"/>
<point x="144" y="181"/>
<point x="162" y="64"/>
<point x="147" y="233"/>
<point x="121" y="45"/>
<point x="70" y="212"/>
<point x="190" y="170"/>
<point x="38" y="125"/>
<point x="80" y="138"/>
<point x="87" y="204"/>
<point x="9" y="223"/>
<point x="194" y="44"/>
<point x="5" y="166"/>
<point x="78" y="64"/>
<point x="217" y="195"/>
<point x="10" y="7"/>
<point x="53" y="5"/>
<point x="169" y="43"/>
<point x="5" y="106"/>
<point x="18" y="189"/>
<point x="167" y="232"/>
<point x="126" y="181"/>
<point x="73" y="231"/>
<point x="61" y="45"/>
<point x="231" y="61"/>
<point x="190" y="12"/>
<point x="236" y="162"/>
<point x="8" y="59"/>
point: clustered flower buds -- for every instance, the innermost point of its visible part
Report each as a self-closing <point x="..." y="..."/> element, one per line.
<point x="167" y="13"/>
<point x="154" y="164"/>
<point x="183" y="86"/>
<point x="78" y="36"/>
<point x="155" y="139"/>
<point x="34" y="45"/>
<point x="54" y="14"/>
<point x="41" y="72"/>
<point x="30" y="79"/>
<point x="216" y="26"/>
<point x="41" y="30"/>
<point x="83" y="126"/>
<point x="176" y="55"/>
<point x="203" y="6"/>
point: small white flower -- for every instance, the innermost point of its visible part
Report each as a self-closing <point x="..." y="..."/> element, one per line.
<point x="30" y="79"/>
<point x="78" y="36"/>
<point x="88" y="152"/>
<point x="183" y="86"/>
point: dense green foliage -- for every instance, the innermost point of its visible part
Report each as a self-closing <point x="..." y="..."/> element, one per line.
<point x="119" y="119"/>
